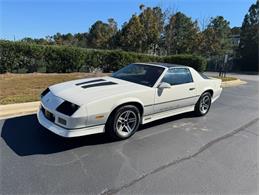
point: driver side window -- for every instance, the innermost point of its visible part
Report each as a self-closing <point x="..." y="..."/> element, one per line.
<point x="177" y="76"/>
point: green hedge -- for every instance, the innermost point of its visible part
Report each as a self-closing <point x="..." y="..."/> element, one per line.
<point x="25" y="57"/>
<point x="197" y="62"/>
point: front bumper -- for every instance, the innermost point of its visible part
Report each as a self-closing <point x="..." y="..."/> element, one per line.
<point x="64" y="132"/>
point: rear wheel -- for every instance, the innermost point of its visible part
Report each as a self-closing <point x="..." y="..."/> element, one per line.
<point x="203" y="105"/>
<point x="123" y="123"/>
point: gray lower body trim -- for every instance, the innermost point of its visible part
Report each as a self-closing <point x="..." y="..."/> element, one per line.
<point x="171" y="101"/>
<point x="168" y="110"/>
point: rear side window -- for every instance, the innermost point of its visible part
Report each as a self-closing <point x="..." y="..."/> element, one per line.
<point x="177" y="76"/>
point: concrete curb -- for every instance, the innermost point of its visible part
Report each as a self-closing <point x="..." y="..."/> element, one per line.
<point x="13" y="110"/>
<point x="232" y="83"/>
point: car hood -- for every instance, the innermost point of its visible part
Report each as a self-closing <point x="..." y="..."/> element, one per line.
<point x="92" y="89"/>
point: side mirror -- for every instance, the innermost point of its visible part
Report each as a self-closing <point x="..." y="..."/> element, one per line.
<point x="164" y="85"/>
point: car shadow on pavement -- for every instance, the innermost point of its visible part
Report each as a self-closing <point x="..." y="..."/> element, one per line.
<point x="25" y="136"/>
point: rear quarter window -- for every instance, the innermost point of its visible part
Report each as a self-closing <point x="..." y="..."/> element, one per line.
<point x="203" y="75"/>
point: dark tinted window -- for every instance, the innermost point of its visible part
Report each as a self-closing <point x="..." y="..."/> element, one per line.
<point x="177" y="76"/>
<point x="140" y="74"/>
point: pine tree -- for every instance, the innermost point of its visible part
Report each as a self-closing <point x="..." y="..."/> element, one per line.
<point x="249" y="39"/>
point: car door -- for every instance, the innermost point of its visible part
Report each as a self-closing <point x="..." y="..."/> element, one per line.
<point x="181" y="94"/>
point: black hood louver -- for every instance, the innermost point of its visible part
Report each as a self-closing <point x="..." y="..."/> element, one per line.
<point x="98" y="84"/>
<point x="45" y="92"/>
<point x="92" y="81"/>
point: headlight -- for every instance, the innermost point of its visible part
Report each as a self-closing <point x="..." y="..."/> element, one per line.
<point x="67" y="108"/>
<point x="45" y="92"/>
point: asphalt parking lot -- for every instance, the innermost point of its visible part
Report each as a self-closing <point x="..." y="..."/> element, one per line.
<point x="215" y="154"/>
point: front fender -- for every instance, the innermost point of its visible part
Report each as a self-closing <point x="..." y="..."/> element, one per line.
<point x="126" y="100"/>
<point x="99" y="111"/>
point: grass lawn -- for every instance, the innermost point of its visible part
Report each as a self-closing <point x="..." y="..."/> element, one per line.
<point x="226" y="78"/>
<point x="18" y="88"/>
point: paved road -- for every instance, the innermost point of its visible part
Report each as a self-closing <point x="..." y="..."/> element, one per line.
<point x="217" y="153"/>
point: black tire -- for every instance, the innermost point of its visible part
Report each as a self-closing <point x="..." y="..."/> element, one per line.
<point x="198" y="107"/>
<point x="114" y="123"/>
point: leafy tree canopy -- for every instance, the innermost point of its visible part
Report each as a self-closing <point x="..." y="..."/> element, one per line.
<point x="249" y="39"/>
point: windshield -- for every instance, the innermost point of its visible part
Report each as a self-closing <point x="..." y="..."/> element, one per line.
<point x="139" y="73"/>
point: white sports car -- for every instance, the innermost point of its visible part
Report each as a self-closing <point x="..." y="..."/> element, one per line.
<point x="136" y="94"/>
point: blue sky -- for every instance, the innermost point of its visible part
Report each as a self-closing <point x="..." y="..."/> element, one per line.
<point x="38" y="18"/>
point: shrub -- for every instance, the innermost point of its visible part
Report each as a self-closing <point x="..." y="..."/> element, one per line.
<point x="197" y="62"/>
<point x="17" y="56"/>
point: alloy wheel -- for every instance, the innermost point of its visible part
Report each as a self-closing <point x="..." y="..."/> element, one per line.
<point x="205" y="104"/>
<point x="126" y="123"/>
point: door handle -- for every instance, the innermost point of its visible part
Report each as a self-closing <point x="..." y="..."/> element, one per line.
<point x="192" y="88"/>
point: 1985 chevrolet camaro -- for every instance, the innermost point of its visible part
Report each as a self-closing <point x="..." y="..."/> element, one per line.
<point x="136" y="94"/>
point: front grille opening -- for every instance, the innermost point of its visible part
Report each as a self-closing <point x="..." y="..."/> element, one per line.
<point x="67" y="108"/>
<point x="45" y="92"/>
<point x="48" y="114"/>
<point x="42" y="109"/>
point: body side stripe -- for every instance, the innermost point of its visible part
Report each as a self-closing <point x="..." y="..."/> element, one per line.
<point x="168" y="110"/>
<point x="170" y="101"/>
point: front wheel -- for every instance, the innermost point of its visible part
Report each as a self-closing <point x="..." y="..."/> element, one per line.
<point x="123" y="123"/>
<point x="203" y="105"/>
